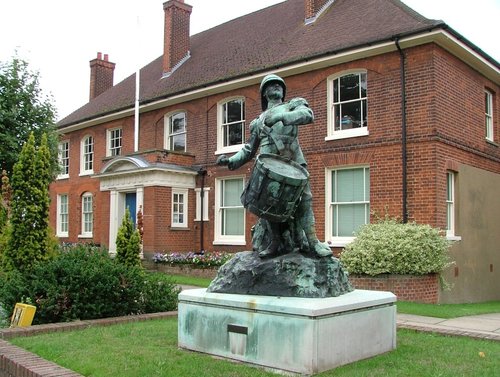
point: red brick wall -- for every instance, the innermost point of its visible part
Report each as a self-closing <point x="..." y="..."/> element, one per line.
<point x="423" y="289"/>
<point x="445" y="123"/>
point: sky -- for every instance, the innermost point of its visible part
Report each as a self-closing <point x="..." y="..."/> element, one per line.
<point x="58" y="38"/>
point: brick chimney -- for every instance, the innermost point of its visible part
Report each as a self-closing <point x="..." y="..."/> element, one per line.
<point x="313" y="9"/>
<point x="101" y="75"/>
<point x="176" y="38"/>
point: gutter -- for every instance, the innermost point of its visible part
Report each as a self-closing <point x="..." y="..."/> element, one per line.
<point x="404" y="154"/>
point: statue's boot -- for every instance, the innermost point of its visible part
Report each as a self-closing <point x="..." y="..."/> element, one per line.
<point x="307" y="223"/>
<point x="271" y="249"/>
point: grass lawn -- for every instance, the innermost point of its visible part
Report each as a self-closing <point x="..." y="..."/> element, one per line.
<point x="448" y="310"/>
<point x="150" y="349"/>
<point x="190" y="280"/>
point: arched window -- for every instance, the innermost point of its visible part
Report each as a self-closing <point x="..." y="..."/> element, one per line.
<point x="87" y="155"/>
<point x="347" y="105"/>
<point x="231" y="125"/>
<point x="175" y="132"/>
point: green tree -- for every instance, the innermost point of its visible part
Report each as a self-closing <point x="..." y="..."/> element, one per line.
<point x="29" y="239"/>
<point x="23" y="109"/>
<point x="128" y="242"/>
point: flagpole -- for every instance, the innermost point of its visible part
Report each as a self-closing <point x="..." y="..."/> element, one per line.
<point x="137" y="92"/>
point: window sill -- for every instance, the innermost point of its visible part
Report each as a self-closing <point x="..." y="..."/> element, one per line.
<point x="340" y="241"/>
<point x="491" y="142"/>
<point x="63" y="176"/>
<point x="179" y="227"/>
<point x="85" y="173"/>
<point x="230" y="242"/>
<point x="62" y="235"/>
<point x="451" y="237"/>
<point x="231" y="149"/>
<point x="81" y="236"/>
<point x="346" y="134"/>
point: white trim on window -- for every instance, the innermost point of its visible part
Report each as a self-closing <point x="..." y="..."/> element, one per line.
<point x="174" y="136"/>
<point x="229" y="212"/>
<point x="229" y="128"/>
<point x="63" y="157"/>
<point x="114" y="141"/>
<point x="347" y="117"/>
<point x="356" y="205"/>
<point x="488" y="114"/>
<point x="206" y="190"/>
<point x="450" y="207"/>
<point x="87" y="155"/>
<point x="62" y="217"/>
<point x="87" y="230"/>
<point x="179" y="218"/>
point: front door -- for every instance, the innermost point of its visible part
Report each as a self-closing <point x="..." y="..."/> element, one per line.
<point x="131" y="204"/>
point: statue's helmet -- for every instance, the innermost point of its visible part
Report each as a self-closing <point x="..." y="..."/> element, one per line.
<point x="266" y="81"/>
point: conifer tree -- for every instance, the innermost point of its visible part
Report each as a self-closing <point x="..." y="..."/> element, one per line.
<point x="128" y="242"/>
<point x="28" y="241"/>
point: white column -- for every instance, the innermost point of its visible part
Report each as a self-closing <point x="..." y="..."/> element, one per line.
<point x="113" y="220"/>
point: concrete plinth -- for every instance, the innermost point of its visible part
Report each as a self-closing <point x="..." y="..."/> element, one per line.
<point x="301" y="335"/>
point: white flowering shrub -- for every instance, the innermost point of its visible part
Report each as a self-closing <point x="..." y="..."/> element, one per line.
<point x="391" y="247"/>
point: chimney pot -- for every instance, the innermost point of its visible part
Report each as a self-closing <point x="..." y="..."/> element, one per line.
<point x="313" y="8"/>
<point x="101" y="75"/>
<point x="176" y="36"/>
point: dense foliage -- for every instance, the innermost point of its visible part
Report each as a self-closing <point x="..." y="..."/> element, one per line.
<point x="29" y="238"/>
<point x="390" y="247"/>
<point x="85" y="283"/>
<point x="23" y="109"/>
<point x="128" y="242"/>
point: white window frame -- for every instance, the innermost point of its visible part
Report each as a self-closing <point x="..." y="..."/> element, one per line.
<point x="341" y="241"/>
<point x="114" y="142"/>
<point x="169" y="135"/>
<point x="62" y="219"/>
<point x="488" y="115"/>
<point x="221" y="239"/>
<point x="63" y="157"/>
<point x="451" y="206"/>
<point x="206" y="191"/>
<point x="179" y="208"/>
<point x="87" y="230"/>
<point x="348" y="133"/>
<point x="87" y="155"/>
<point x="221" y="126"/>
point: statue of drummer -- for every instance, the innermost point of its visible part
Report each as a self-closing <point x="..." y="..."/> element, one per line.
<point x="275" y="131"/>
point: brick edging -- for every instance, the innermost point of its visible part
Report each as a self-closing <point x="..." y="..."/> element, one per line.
<point x="17" y="362"/>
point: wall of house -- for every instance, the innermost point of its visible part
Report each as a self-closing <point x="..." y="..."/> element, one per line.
<point x="445" y="122"/>
<point x="475" y="274"/>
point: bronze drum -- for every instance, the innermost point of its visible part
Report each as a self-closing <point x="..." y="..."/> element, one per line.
<point x="274" y="188"/>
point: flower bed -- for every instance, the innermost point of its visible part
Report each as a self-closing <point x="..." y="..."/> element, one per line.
<point x="203" y="265"/>
<point x="215" y="259"/>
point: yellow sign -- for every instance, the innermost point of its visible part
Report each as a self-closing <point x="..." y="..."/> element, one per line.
<point x="23" y="315"/>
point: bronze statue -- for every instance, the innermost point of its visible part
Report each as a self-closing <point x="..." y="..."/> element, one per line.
<point x="279" y="191"/>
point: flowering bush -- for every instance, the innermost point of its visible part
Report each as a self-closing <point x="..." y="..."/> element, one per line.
<point x="390" y="247"/>
<point x="203" y="259"/>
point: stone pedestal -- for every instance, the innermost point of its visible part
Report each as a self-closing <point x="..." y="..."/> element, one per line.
<point x="300" y="335"/>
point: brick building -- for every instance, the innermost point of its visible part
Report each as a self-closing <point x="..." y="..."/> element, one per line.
<point x="406" y="123"/>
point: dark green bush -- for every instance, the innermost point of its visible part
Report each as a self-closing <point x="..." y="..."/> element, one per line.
<point x="159" y="293"/>
<point x="85" y="283"/>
